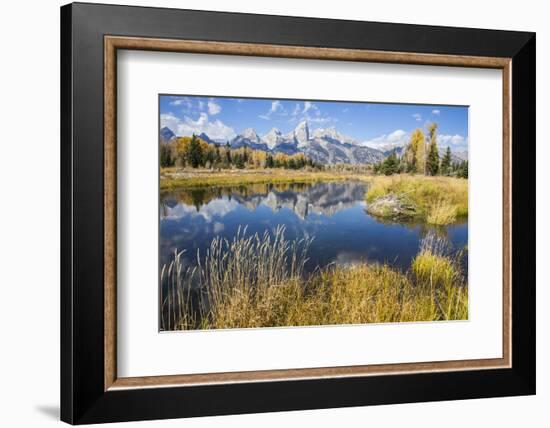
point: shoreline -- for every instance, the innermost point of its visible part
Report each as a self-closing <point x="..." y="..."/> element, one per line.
<point x="170" y="180"/>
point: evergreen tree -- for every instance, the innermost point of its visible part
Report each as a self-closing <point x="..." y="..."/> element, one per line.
<point x="446" y="162"/>
<point x="432" y="161"/>
<point x="390" y="165"/>
<point x="401" y="167"/>
<point x="411" y="166"/>
<point x="217" y="156"/>
<point x="291" y="164"/>
<point x="462" y="171"/>
<point x="269" y="163"/>
<point x="209" y="157"/>
<point x="238" y="160"/>
<point x="228" y="153"/>
<point x="165" y="156"/>
<point x="454" y="168"/>
<point x="194" y="153"/>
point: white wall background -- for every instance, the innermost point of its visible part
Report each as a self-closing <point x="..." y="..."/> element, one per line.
<point x="29" y="218"/>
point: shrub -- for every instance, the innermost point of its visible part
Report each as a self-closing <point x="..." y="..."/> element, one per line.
<point x="437" y="200"/>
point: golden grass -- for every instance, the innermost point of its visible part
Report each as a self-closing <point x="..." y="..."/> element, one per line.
<point x="441" y="212"/>
<point x="438" y="200"/>
<point x="259" y="281"/>
<point x="172" y="178"/>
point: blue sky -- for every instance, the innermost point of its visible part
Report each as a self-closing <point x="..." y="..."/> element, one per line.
<point x="373" y="124"/>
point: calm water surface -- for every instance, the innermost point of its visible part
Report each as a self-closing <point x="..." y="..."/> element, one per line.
<point x="333" y="213"/>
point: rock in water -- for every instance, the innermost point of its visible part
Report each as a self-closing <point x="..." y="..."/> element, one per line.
<point x="392" y="206"/>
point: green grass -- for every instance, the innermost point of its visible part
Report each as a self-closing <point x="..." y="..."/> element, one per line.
<point x="172" y="178"/>
<point x="259" y="281"/>
<point x="437" y="200"/>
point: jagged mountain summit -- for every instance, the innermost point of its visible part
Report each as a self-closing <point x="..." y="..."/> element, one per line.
<point x="166" y="135"/>
<point x="326" y="146"/>
<point x="249" y="138"/>
<point x="207" y="139"/>
<point x="332" y="134"/>
<point x="273" y="138"/>
<point x="301" y="134"/>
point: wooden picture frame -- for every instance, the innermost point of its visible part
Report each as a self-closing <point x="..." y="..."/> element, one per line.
<point x="91" y="390"/>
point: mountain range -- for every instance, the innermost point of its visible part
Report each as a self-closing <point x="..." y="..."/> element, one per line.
<point x="322" y="145"/>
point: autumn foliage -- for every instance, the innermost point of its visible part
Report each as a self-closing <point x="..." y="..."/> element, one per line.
<point x="196" y="153"/>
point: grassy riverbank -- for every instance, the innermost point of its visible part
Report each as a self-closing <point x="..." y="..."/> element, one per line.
<point x="435" y="200"/>
<point x="171" y="178"/>
<point x="260" y="281"/>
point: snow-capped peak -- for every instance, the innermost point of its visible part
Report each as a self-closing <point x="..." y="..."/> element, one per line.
<point x="250" y="134"/>
<point x="301" y="134"/>
<point x="274" y="131"/>
<point x="325" y="146"/>
<point x="333" y="134"/>
<point x="272" y="138"/>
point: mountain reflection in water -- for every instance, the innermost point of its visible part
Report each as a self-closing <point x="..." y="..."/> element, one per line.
<point x="333" y="213"/>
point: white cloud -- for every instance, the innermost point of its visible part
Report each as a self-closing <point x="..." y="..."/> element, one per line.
<point x="394" y="139"/>
<point x="310" y="113"/>
<point x="215" y="129"/>
<point x="400" y="137"/>
<point x="214" y="209"/>
<point x="213" y="108"/>
<point x="308" y="106"/>
<point x="445" y="140"/>
<point x="397" y="136"/>
<point x="436" y="112"/>
<point x="319" y="119"/>
<point x="276" y="107"/>
<point x="323" y="119"/>
<point x="181" y="101"/>
<point x="192" y="105"/>
<point x="169" y="120"/>
<point x="417" y="117"/>
<point x="217" y="208"/>
<point x="311" y="108"/>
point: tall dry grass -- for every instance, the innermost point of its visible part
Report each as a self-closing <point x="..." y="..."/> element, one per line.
<point x="259" y="281"/>
<point x="175" y="294"/>
<point x="438" y="200"/>
<point x="437" y="269"/>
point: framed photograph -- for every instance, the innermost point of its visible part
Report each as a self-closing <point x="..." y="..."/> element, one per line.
<point x="266" y="213"/>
